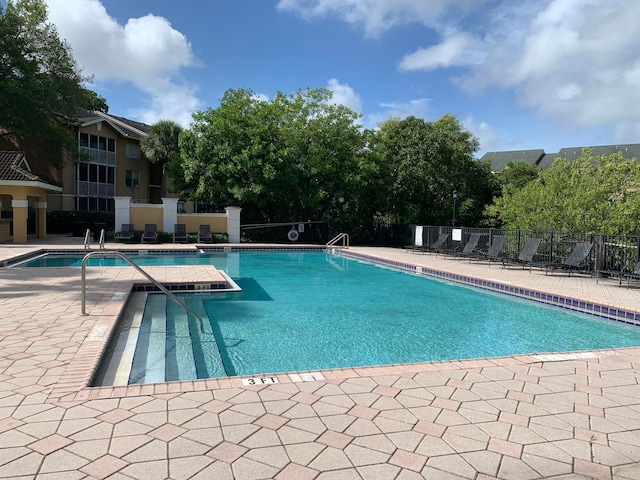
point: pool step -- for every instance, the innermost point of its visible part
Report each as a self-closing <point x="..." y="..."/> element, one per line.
<point x="149" y="363"/>
<point x="174" y="345"/>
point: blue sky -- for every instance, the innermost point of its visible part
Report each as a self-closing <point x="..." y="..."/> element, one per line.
<point x="517" y="74"/>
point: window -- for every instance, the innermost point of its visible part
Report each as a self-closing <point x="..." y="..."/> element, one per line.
<point x="133" y="150"/>
<point x="133" y="178"/>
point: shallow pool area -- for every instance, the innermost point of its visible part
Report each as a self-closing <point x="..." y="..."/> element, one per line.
<point x="301" y="311"/>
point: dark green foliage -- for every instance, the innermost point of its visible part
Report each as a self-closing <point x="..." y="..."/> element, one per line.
<point x="299" y="158"/>
<point x="593" y="194"/>
<point x="68" y="221"/>
<point x="41" y="83"/>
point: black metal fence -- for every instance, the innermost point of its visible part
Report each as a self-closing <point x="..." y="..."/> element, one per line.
<point x="610" y="253"/>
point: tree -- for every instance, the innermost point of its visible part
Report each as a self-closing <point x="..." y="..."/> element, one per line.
<point x="39" y="79"/>
<point x="594" y="194"/>
<point x="286" y="159"/>
<point x="425" y="162"/>
<point x="517" y="174"/>
<point x="161" y="146"/>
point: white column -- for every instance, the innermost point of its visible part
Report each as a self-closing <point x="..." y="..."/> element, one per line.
<point x="233" y="223"/>
<point x="169" y="214"/>
<point x="123" y="214"/>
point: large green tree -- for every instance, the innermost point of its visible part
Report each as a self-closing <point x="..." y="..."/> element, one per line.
<point x="593" y="194"/>
<point x="425" y="163"/>
<point x="286" y="159"/>
<point x="40" y="82"/>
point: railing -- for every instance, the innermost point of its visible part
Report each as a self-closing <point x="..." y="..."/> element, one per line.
<point x="87" y="240"/>
<point x="101" y="242"/>
<point x="610" y="253"/>
<point x="341" y="237"/>
<point x="162" y="288"/>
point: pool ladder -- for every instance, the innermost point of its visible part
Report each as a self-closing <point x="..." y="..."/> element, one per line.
<point x="342" y="238"/>
<point x="87" y="240"/>
<point x="162" y="288"/>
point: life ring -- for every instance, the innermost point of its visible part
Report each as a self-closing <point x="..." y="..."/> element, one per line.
<point x="293" y="235"/>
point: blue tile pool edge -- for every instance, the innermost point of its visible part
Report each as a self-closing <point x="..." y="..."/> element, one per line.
<point x="610" y="313"/>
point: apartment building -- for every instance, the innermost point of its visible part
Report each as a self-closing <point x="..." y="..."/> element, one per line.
<point x="109" y="164"/>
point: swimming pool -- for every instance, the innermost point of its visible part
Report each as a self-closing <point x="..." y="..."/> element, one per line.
<point x="301" y="311"/>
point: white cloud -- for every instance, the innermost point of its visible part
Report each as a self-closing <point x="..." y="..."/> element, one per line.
<point x="343" y="94"/>
<point x="377" y="16"/>
<point x="147" y="52"/>
<point x="487" y="136"/>
<point x="416" y="108"/>
<point x="456" y="50"/>
<point x="575" y="61"/>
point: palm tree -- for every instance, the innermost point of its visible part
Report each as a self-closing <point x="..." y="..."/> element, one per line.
<point x="161" y="146"/>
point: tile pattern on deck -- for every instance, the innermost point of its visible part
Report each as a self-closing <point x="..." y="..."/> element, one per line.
<point x="523" y="417"/>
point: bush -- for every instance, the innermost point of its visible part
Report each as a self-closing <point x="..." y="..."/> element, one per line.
<point x="74" y="221"/>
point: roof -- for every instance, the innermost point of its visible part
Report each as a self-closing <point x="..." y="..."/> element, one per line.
<point x="124" y="126"/>
<point x="15" y="170"/>
<point x="499" y="160"/>
<point x="570" y="154"/>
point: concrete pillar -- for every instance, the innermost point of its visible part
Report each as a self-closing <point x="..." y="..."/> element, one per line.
<point x="123" y="214"/>
<point x="169" y="213"/>
<point x="41" y="219"/>
<point x="20" y="213"/>
<point x="233" y="223"/>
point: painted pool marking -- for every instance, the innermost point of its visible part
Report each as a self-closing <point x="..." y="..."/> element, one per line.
<point x="259" y="380"/>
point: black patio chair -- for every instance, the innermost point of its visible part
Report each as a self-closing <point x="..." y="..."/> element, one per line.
<point x="471" y="247"/>
<point x="204" y="234"/>
<point x="632" y="273"/>
<point x="494" y="252"/>
<point x="576" y="261"/>
<point x="126" y="233"/>
<point x="180" y="233"/>
<point x="526" y="255"/>
<point x="150" y="233"/>
<point x="439" y="245"/>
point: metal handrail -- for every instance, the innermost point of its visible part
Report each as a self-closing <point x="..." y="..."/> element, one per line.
<point x="164" y="290"/>
<point x="101" y="243"/>
<point x="87" y="240"/>
<point x="344" y="237"/>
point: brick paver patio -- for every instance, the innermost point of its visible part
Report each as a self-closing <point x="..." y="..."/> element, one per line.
<point x="524" y="417"/>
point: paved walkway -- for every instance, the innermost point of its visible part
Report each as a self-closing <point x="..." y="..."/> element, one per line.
<point x="572" y="416"/>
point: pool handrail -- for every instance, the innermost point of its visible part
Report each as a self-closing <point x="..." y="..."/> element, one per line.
<point x="87" y="240"/>
<point x="101" y="243"/>
<point x="162" y="288"/>
<point x="341" y="237"/>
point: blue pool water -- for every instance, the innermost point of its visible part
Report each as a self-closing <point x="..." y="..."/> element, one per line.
<point x="306" y="311"/>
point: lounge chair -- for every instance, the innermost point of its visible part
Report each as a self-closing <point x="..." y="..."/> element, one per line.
<point x="150" y="233"/>
<point x="126" y="233"/>
<point x="494" y="253"/>
<point x="439" y="245"/>
<point x="204" y="234"/>
<point x="631" y="274"/>
<point x="575" y="261"/>
<point x="526" y="255"/>
<point x="471" y="247"/>
<point x="180" y="233"/>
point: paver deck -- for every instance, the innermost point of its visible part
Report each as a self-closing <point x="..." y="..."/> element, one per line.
<point x="524" y="417"/>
